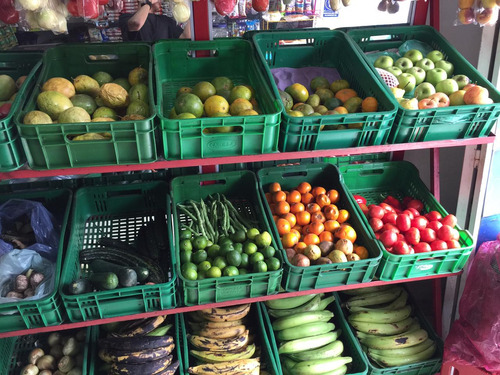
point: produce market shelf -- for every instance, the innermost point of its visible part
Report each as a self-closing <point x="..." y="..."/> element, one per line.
<point x="166" y="164"/>
<point x="184" y="309"/>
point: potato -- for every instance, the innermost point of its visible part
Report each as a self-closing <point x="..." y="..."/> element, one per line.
<point x="47" y="362"/>
<point x="54" y="339"/>
<point x="326" y="247"/>
<point x="345" y="246"/>
<point x="35" y="354"/>
<point x="30" y="369"/>
<point x="289" y="254"/>
<point x="352" y="257"/>
<point x="28" y="293"/>
<point x="13" y="294"/>
<point x="21" y="283"/>
<point x="71" y="347"/>
<point x="56" y="351"/>
<point x="300" y="260"/>
<point x="323" y="260"/>
<point x="35" y="279"/>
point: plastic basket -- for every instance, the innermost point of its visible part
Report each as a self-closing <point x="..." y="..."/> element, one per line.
<point x="257" y="328"/>
<point x="377" y="180"/>
<point x="456" y="122"/>
<point x="321" y="49"/>
<point x="15" y="64"/>
<point x="240" y="187"/>
<point x="351" y="345"/>
<point x="95" y="361"/>
<point x="118" y="211"/>
<point x="46" y="311"/>
<point x="327" y="275"/>
<point x="430" y="367"/>
<point x="190" y="138"/>
<point x="47" y="146"/>
<point x="14" y="352"/>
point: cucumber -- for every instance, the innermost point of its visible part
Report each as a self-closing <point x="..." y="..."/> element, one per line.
<point x="104" y="280"/>
<point x="126" y="276"/>
<point x="142" y="273"/>
<point x="80" y="286"/>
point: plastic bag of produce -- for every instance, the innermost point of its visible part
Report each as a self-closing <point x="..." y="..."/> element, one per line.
<point x="26" y="224"/>
<point x="474" y="338"/>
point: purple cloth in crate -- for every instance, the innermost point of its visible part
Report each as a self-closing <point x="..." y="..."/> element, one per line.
<point x="284" y="77"/>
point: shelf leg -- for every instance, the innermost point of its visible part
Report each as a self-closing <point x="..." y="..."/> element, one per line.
<point x="435" y="173"/>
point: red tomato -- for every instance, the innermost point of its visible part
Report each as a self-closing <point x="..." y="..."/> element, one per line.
<point x="406" y="200"/>
<point x="422" y="247"/>
<point x="377" y="235"/>
<point x="359" y="199"/>
<point x="390" y="217"/>
<point x="376" y="211"/>
<point x="403" y="222"/>
<point x="447" y="233"/>
<point x="387" y="207"/>
<point x="412" y="236"/>
<point x="438" y="245"/>
<point x="450" y="220"/>
<point x="8" y="13"/>
<point x="414" y="211"/>
<point x="416" y="204"/>
<point x="401" y="237"/>
<point x="392" y="201"/>
<point x="433" y="215"/>
<point x="427" y="235"/>
<point x="401" y="248"/>
<point x="388" y="238"/>
<point x="420" y="222"/>
<point x="434" y="225"/>
<point x="390" y="227"/>
<point x="376" y="224"/>
<point x="453" y="244"/>
<point x="409" y="213"/>
<point x="364" y="208"/>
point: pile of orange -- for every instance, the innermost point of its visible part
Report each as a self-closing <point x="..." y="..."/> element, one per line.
<point x="309" y="215"/>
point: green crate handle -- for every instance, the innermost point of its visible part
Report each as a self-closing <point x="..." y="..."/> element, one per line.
<point x="230" y="284"/>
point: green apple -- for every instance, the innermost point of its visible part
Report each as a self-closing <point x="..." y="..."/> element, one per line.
<point x="462" y="80"/>
<point x="403" y="63"/>
<point x="418" y="73"/>
<point x="435" y="75"/>
<point x="447" y="86"/>
<point x="394" y="70"/>
<point x="457" y="98"/>
<point x="426" y="64"/>
<point x="424" y="90"/>
<point x="435" y="56"/>
<point x="446" y="66"/>
<point x="409" y="103"/>
<point x="414" y="55"/>
<point x="406" y="82"/>
<point x="383" y="62"/>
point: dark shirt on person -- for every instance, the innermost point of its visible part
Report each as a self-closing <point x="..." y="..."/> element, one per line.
<point x="155" y="28"/>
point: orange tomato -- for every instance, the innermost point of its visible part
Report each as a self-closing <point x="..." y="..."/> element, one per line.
<point x="293" y="197"/>
<point x="316" y="228"/>
<point x="318" y="216"/>
<point x="343" y="216"/>
<point x="318" y="190"/>
<point x="289" y="240"/>
<point x="282" y="208"/>
<point x="331" y="225"/>
<point x="283" y="226"/>
<point x="331" y="212"/>
<point x="272" y="206"/>
<point x="291" y="219"/>
<point x="322" y="200"/>
<point x="269" y="198"/>
<point x="274" y="187"/>
<point x="296" y="232"/>
<point x="311" y="239"/>
<point x="361" y="251"/>
<point x="313" y="207"/>
<point x="326" y="236"/>
<point x="299" y="247"/>
<point x="279" y="196"/>
<point x="303" y="218"/>
<point x="347" y="232"/>
<point x="297" y="207"/>
<point x="298" y="228"/>
<point x="304" y="187"/>
<point x="333" y="195"/>
<point x="307" y="198"/>
<point x="275" y="218"/>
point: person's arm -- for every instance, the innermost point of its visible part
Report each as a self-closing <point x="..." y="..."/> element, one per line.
<point x="186" y="34"/>
<point x="136" y="22"/>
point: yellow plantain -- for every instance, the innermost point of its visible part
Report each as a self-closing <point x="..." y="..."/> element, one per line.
<point x="225" y="314"/>
<point x="221" y="333"/>
<point x="242" y="365"/>
<point x="217" y="357"/>
<point x="217" y="345"/>
<point x="209" y="324"/>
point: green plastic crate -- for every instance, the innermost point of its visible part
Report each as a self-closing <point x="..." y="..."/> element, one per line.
<point x="321" y="49"/>
<point x="240" y="187"/>
<point x="46" y="311"/>
<point x="327" y="275"/>
<point x="15" y="64"/>
<point x="118" y="211"/>
<point x="47" y="145"/>
<point x="375" y="181"/>
<point x="95" y="362"/>
<point x="351" y="346"/>
<point x="191" y="138"/>
<point x="430" y="367"/>
<point x="14" y="352"/>
<point x="257" y="327"/>
<point x="456" y="122"/>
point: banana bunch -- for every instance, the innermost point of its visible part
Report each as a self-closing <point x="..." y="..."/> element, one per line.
<point x="221" y="342"/>
<point x="385" y="327"/>
<point x="309" y="343"/>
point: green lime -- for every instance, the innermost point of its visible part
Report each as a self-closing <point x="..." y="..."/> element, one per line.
<point x="256" y="257"/>
<point x="201" y="276"/>
<point x="225" y="248"/>
<point x="190" y="274"/>
<point x="200" y="242"/>
<point x="244" y="260"/>
<point x="204" y="266"/>
<point x="268" y="252"/>
<point x="185" y="234"/>
<point x="209" y="243"/>
<point x="186" y="245"/>
<point x="231" y="271"/>
<point x="251" y="233"/>
<point x="250" y="248"/>
<point x="242" y="271"/>
<point x="239" y="236"/>
<point x="200" y="256"/>
<point x="273" y="264"/>
<point x="260" y="266"/>
<point x="223" y="240"/>
<point x="264" y="239"/>
<point x="233" y="258"/>
<point x="219" y="262"/>
<point x="213" y="251"/>
<point x="189" y="266"/>
<point x="238" y="247"/>
<point x="186" y="256"/>
<point x="213" y="271"/>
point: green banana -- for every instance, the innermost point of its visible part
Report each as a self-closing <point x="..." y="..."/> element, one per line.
<point x="411" y="350"/>
<point x="397" y="341"/>
<point x="217" y="357"/>
<point x="381" y="316"/>
<point x="399" y="360"/>
<point x="307" y="343"/>
<point x="160" y="331"/>
<point x="325" y="302"/>
<point x="414" y="326"/>
<point x="378" y="298"/>
<point x="396" y="304"/>
<point x="331" y="350"/>
<point x="301" y="318"/>
<point x="305" y="330"/>
<point x="288" y="303"/>
<point x="319" y="366"/>
<point x="383" y="329"/>
<point x="312" y="305"/>
<point x="342" y="370"/>
<point x="288" y="363"/>
<point x="361" y="291"/>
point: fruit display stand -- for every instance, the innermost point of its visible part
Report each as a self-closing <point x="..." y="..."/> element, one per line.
<point x="320" y="276"/>
<point x="240" y="187"/>
<point x="201" y="137"/>
<point x="119" y="212"/>
<point x="15" y="65"/>
<point x="48" y="146"/>
<point x="454" y="122"/>
<point x="321" y="49"/>
<point x="375" y="181"/>
<point x="48" y="310"/>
